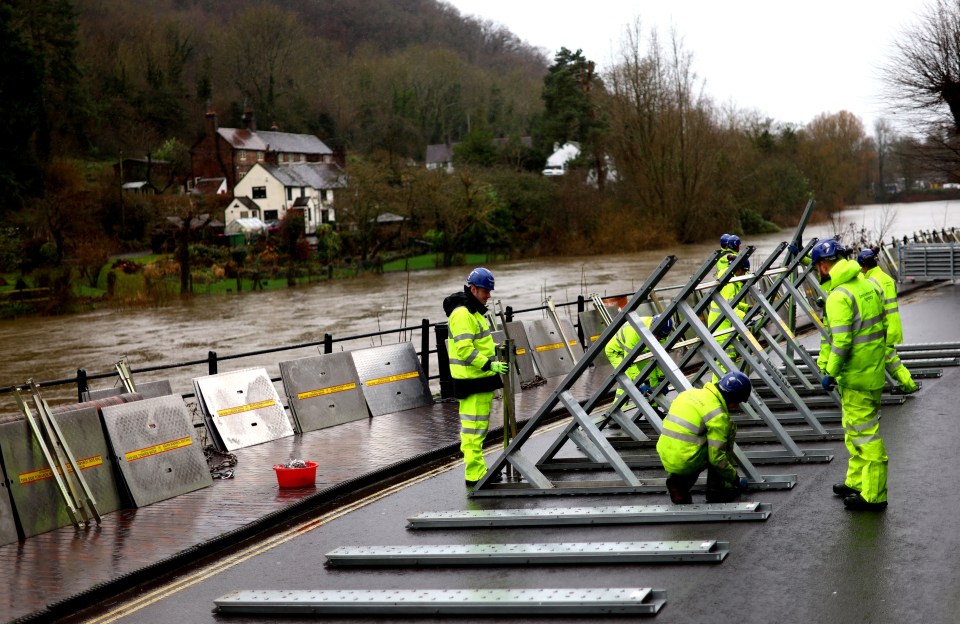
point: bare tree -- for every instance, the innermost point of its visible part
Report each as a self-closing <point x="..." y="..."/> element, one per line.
<point x="923" y="76"/>
<point x="883" y="136"/>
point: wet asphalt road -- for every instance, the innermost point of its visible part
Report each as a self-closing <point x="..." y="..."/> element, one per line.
<point x="811" y="561"/>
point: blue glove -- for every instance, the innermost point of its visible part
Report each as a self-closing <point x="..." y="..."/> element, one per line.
<point x="828" y="383"/>
<point x="645" y="389"/>
<point x="820" y="302"/>
<point x="793" y="249"/>
<point x="499" y="368"/>
<point x="744" y="483"/>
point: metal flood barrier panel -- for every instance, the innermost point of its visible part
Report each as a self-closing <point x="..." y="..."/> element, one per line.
<point x="147" y="389"/>
<point x="929" y="261"/>
<point x="37" y="500"/>
<point x="155" y="449"/>
<point x="592" y="516"/>
<point x="323" y="391"/>
<point x="8" y="526"/>
<point x="241" y="408"/>
<point x="474" y="601"/>
<point x="532" y="554"/>
<point x="526" y="367"/>
<point x="549" y="351"/>
<point x="392" y="378"/>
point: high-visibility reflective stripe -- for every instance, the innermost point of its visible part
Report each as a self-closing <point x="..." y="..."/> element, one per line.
<point x="460" y="337"/>
<point x="841" y="329"/>
<point x="874" y="321"/>
<point x="484" y="333"/>
<point x="711" y="415"/>
<point x="683" y="423"/>
<point x="853" y="302"/>
<point x="864" y="441"/>
<point x="475" y="417"/>
<point x="840" y="351"/>
<point x="723" y="464"/>
<point x="683" y="437"/>
<point x="717" y="443"/>
<point x="877" y="335"/>
<point x="465" y="431"/>
<point x="873" y="422"/>
<point x="470" y="358"/>
<point x="889" y="300"/>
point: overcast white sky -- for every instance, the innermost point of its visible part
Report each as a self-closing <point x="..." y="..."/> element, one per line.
<point x="790" y="60"/>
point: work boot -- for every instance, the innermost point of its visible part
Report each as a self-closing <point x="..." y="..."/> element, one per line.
<point x="676" y="496"/>
<point x="843" y="490"/>
<point x="855" y="502"/>
<point x="497" y="478"/>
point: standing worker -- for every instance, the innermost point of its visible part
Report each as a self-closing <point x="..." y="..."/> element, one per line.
<point x="871" y="270"/>
<point x="853" y="359"/>
<point x="697" y="434"/>
<point x="626" y="339"/>
<point x="729" y="292"/>
<point x="475" y="374"/>
<point x="730" y="246"/>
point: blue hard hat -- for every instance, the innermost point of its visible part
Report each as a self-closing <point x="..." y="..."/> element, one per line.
<point x="733" y="242"/>
<point x="481" y="278"/>
<point x="665" y="329"/>
<point x="724" y="241"/>
<point x="826" y="250"/>
<point x="867" y="257"/>
<point x="735" y="387"/>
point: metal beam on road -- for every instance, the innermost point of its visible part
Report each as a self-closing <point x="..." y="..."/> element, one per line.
<point x="681" y="551"/>
<point x="576" y="516"/>
<point x="612" y="600"/>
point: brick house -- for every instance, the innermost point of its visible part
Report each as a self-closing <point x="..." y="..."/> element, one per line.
<point x="232" y="152"/>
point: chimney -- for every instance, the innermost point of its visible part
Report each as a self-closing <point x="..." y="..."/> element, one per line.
<point x="249" y="121"/>
<point x="210" y="123"/>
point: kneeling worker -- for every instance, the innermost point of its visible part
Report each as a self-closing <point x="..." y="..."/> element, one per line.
<point x="475" y="374"/>
<point x="697" y="434"/>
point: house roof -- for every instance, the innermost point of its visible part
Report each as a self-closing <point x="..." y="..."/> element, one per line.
<point x="562" y="155"/>
<point x="246" y="201"/>
<point x="210" y="186"/>
<point x="241" y="138"/>
<point x="313" y="175"/>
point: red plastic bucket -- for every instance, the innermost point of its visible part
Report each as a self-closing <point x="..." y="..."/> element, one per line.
<point x="296" y="477"/>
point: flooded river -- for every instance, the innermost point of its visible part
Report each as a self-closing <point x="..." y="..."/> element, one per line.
<point x="54" y="348"/>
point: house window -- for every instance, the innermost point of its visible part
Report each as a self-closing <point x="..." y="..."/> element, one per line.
<point x="284" y="158"/>
<point x="289" y="193"/>
<point x="325" y="216"/>
<point x="323" y="196"/>
<point x="259" y="156"/>
<point x="271" y="215"/>
<point x="241" y="155"/>
<point x="259" y="192"/>
<point x="244" y="214"/>
<point x="303" y="191"/>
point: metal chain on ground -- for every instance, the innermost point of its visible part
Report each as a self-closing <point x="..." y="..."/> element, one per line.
<point x="226" y="461"/>
<point x="533" y="383"/>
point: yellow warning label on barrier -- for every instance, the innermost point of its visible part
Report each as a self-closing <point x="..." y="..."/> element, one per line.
<point x="46" y="473"/>
<point x="392" y="378"/>
<point x="310" y="394"/>
<point x="521" y="351"/>
<point x="156" y="449"/>
<point x="594" y="338"/>
<point x="230" y="411"/>
<point x="554" y="345"/>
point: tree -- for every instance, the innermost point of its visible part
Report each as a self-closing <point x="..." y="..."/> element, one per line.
<point x="883" y="137"/>
<point x="572" y="90"/>
<point x="834" y="156"/>
<point x="923" y="75"/>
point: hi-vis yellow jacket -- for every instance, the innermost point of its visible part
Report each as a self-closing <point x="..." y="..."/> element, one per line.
<point x="470" y="346"/>
<point x="698" y="430"/>
<point x="890" y="306"/>
<point x="858" y="330"/>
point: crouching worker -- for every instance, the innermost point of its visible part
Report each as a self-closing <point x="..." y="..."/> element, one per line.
<point x="624" y="341"/>
<point x="697" y="434"/>
<point x="475" y="374"/>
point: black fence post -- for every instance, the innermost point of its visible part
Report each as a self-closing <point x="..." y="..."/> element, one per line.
<point x="443" y="361"/>
<point x="82" y="386"/>
<point x="327" y="343"/>
<point x="508" y="313"/>
<point x="581" y="308"/>
<point x="211" y="362"/>
<point x="425" y="347"/>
